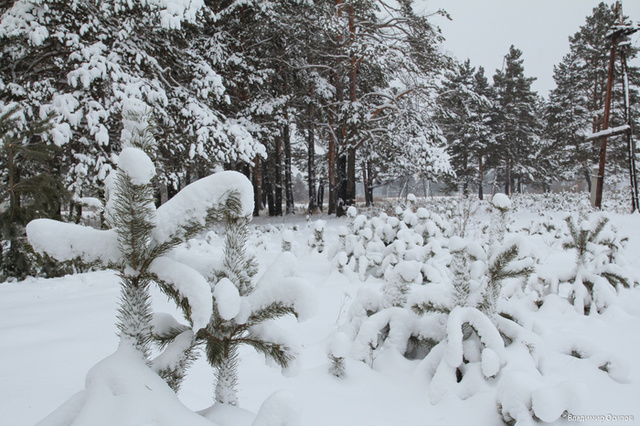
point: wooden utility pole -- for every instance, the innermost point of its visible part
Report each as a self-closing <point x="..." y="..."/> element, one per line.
<point x="617" y="33"/>
<point x="607" y="112"/>
<point x="631" y="146"/>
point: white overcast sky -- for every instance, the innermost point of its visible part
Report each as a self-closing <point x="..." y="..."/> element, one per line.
<point x="483" y="30"/>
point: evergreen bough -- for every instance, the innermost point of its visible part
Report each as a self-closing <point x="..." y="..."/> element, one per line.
<point x="597" y="274"/>
<point x="28" y="188"/>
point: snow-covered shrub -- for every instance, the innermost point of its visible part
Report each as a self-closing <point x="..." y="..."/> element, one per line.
<point x="549" y="201"/>
<point x="597" y="274"/>
<point x="443" y="301"/>
<point x="480" y="337"/>
<point x="498" y="228"/>
<point x="398" y="280"/>
<point x="411" y="317"/>
<point x="338" y="352"/>
<point x="546" y="226"/>
<point x="316" y="240"/>
<point x="287" y="240"/>
<point x="464" y="219"/>
<point x="370" y="247"/>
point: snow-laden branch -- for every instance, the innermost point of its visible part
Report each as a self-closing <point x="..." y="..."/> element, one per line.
<point x="194" y="202"/>
<point x="190" y="284"/>
<point x="68" y="241"/>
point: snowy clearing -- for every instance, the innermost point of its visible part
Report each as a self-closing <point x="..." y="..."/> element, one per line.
<point x="54" y="331"/>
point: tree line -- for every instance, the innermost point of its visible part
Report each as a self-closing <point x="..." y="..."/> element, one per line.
<point x="342" y="91"/>
<point x="525" y="139"/>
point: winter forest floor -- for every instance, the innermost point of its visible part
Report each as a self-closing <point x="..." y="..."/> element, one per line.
<point x="54" y="330"/>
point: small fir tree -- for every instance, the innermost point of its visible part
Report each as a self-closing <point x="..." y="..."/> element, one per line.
<point x="317" y="239"/>
<point x="227" y="331"/>
<point x="338" y="351"/>
<point x="597" y="275"/>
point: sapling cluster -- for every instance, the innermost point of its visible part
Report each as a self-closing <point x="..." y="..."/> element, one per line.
<point x="223" y="307"/>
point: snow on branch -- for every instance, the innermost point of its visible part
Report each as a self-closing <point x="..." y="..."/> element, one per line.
<point x="68" y="241"/>
<point x="194" y="202"/>
<point x="190" y="284"/>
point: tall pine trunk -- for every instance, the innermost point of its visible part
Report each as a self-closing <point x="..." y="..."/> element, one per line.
<point x="350" y="195"/>
<point x="350" y="198"/>
<point x="277" y="178"/>
<point x="342" y="185"/>
<point x="257" y="186"/>
<point x="311" y="161"/>
<point x="367" y="183"/>
<point x="480" y="178"/>
<point x="507" y="178"/>
<point x="288" y="175"/>
<point x="335" y="142"/>
<point x="332" y="174"/>
<point x="267" y="194"/>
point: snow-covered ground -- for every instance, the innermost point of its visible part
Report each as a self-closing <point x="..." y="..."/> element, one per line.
<point x="53" y="331"/>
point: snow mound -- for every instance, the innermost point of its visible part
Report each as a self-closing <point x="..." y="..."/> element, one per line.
<point x="340" y="345"/>
<point x="280" y="409"/>
<point x="287" y="236"/>
<point x="122" y="390"/>
<point x="137" y="165"/>
<point x="457" y="244"/>
<point x="501" y="201"/>
<point x="228" y="415"/>
<point x="549" y="402"/>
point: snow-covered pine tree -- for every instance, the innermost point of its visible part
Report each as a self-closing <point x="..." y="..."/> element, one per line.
<point x="475" y="330"/>
<point x="287" y="240"/>
<point x="463" y="107"/>
<point x="499" y="225"/>
<point x="517" y="125"/>
<point x="398" y="280"/>
<point x="181" y="342"/>
<point x="141" y="239"/>
<point x="506" y="263"/>
<point x="568" y="119"/>
<point x="338" y="352"/>
<point x="243" y="310"/>
<point x="576" y="104"/>
<point x="85" y="60"/>
<point x="237" y="281"/>
<point x="596" y="276"/>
